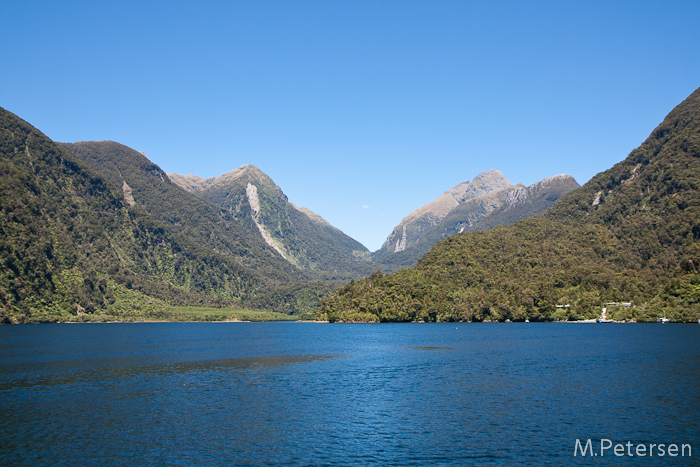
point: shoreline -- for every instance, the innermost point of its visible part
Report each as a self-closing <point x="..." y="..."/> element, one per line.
<point x="586" y="321"/>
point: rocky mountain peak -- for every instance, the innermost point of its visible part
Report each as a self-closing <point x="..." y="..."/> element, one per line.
<point x="553" y="179"/>
<point x="486" y="182"/>
<point x="245" y="173"/>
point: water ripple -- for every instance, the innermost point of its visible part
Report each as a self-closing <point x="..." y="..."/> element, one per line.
<point x="108" y="373"/>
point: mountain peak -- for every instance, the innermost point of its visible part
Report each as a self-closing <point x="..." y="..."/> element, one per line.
<point x="486" y="182"/>
<point x="628" y="236"/>
<point x="299" y="235"/>
<point x="196" y="184"/>
<point x="561" y="178"/>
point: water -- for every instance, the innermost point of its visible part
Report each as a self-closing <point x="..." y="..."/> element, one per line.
<point x="304" y="394"/>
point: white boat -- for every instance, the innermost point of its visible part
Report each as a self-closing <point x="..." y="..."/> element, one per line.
<point x="663" y="320"/>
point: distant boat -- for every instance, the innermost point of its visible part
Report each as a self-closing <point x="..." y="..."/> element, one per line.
<point x="663" y="320"/>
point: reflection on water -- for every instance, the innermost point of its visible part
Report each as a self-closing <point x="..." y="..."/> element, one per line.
<point x="428" y="347"/>
<point x="295" y="394"/>
<point x="107" y="373"/>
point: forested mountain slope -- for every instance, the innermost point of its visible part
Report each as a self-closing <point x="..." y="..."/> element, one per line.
<point x="303" y="238"/>
<point x="72" y="245"/>
<point x="279" y="285"/>
<point x="630" y="235"/>
<point x="150" y="189"/>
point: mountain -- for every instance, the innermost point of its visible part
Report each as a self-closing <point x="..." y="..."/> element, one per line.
<point x="280" y="286"/>
<point x="71" y="245"/>
<point x="94" y="231"/>
<point x="147" y="187"/>
<point x="300" y="236"/>
<point x="628" y="240"/>
<point x="480" y="204"/>
<point x="309" y="242"/>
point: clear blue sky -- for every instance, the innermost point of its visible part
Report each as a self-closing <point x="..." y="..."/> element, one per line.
<point x="361" y="111"/>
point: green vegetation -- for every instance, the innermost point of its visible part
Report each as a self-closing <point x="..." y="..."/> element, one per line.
<point x="136" y="312"/>
<point x="631" y="234"/>
<point x="294" y="298"/>
<point x="72" y="248"/>
<point x="207" y="226"/>
<point x="225" y="314"/>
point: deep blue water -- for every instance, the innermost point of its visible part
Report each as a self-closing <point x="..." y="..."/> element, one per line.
<point x="305" y="394"/>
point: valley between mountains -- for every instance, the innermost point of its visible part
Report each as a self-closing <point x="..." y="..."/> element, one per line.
<point x="94" y="231"/>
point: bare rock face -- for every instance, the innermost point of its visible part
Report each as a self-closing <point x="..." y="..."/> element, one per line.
<point x="254" y="202"/>
<point x="420" y="221"/>
<point x="128" y="194"/>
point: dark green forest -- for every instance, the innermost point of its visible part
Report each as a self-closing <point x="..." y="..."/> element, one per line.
<point x="631" y="234"/>
<point x="73" y="248"/>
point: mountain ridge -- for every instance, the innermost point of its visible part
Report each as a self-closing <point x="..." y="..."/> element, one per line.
<point x="485" y="187"/>
<point x="484" y="183"/>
